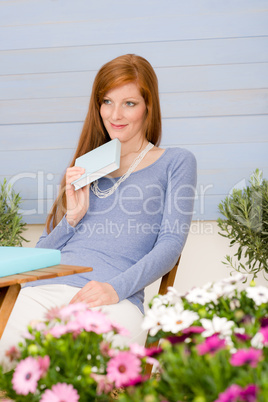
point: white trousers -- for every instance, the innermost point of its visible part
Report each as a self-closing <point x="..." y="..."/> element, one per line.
<point x="33" y="302"/>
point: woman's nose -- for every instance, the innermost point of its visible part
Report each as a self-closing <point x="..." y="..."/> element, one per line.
<point x="116" y="112"/>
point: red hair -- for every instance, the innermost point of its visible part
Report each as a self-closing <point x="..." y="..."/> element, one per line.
<point x="117" y="72"/>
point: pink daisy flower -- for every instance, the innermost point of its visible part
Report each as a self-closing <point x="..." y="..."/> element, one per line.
<point x="94" y="321"/>
<point x="26" y="376"/>
<point x="74" y="327"/>
<point x="38" y="325"/>
<point x="13" y="353"/>
<point x="105" y="349"/>
<point x="53" y="313"/>
<point x="231" y="394"/>
<point x="44" y="363"/>
<point x="58" y="330"/>
<point x="138" y="380"/>
<point x="104" y="385"/>
<point x="60" y="392"/>
<point x="138" y="350"/>
<point x="264" y="332"/>
<point x="67" y="311"/>
<point x="249" y="356"/>
<point x="123" y="367"/>
<point x="211" y="345"/>
<point x="119" y="329"/>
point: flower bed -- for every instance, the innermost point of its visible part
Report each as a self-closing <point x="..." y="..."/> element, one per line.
<point x="214" y="348"/>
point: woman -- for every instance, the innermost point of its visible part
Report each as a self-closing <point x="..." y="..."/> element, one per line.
<point x="130" y="234"/>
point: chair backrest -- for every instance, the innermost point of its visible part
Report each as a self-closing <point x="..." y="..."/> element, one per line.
<point x="166" y="281"/>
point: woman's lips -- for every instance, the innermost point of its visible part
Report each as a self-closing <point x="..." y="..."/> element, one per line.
<point x="118" y="126"/>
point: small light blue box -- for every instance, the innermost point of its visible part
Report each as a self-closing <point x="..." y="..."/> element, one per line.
<point x="98" y="163"/>
<point x="15" y="260"/>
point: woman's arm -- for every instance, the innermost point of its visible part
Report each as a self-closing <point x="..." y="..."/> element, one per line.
<point x="58" y="237"/>
<point x="77" y="206"/>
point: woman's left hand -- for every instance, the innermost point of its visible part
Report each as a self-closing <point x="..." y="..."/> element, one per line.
<point x="96" y="294"/>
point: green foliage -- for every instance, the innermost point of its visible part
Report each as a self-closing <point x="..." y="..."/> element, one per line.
<point x="11" y="226"/>
<point x="246" y="224"/>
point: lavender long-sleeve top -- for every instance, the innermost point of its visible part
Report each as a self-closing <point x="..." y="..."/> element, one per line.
<point x="135" y="235"/>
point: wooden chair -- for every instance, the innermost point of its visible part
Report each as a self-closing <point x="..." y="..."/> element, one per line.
<point x="166" y="281"/>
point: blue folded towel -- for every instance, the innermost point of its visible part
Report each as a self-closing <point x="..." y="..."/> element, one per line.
<point x="15" y="260"/>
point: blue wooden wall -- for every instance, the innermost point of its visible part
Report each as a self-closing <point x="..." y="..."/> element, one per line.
<point x="211" y="58"/>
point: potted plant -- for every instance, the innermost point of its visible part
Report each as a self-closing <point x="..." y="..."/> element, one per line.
<point x="246" y="225"/>
<point x="11" y="225"/>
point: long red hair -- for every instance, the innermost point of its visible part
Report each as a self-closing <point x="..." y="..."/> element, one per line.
<point x="117" y="72"/>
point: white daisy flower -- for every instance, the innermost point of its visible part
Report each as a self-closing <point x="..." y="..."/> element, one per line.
<point x="207" y="286"/>
<point x="238" y="330"/>
<point x="235" y="303"/>
<point x="175" y="321"/>
<point x="257" y="341"/>
<point x="173" y="296"/>
<point x="156" y="303"/>
<point x="152" y="320"/>
<point x="218" y="325"/>
<point x="258" y="293"/>
<point x="223" y="289"/>
<point x="238" y="277"/>
<point x="201" y="296"/>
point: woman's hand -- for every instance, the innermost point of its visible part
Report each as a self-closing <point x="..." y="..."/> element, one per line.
<point x="77" y="201"/>
<point x="96" y="294"/>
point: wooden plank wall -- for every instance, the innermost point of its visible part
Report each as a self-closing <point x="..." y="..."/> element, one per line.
<point x="211" y="58"/>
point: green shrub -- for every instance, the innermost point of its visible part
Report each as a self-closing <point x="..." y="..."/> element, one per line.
<point x="11" y="226"/>
<point x="246" y="224"/>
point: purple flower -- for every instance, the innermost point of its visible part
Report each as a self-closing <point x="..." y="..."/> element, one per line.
<point x="231" y="394"/>
<point x="193" y="330"/>
<point x="177" y="339"/>
<point x="242" y="337"/>
<point x="136" y="381"/>
<point x="153" y="350"/>
<point x="249" y="394"/>
<point x="264" y="322"/>
<point x="211" y="345"/>
<point x="249" y="356"/>
<point x="235" y="393"/>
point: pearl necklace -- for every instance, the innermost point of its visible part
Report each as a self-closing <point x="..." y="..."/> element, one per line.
<point x="105" y="193"/>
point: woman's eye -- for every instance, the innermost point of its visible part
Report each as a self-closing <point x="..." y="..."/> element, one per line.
<point x="129" y="103"/>
<point x="106" y="101"/>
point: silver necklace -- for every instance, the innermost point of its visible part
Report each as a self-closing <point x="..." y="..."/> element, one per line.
<point x="105" y="193"/>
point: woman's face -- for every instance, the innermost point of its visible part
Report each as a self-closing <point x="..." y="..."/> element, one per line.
<point x="123" y="112"/>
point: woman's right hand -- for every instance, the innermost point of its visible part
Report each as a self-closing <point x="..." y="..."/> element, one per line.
<point x="77" y="201"/>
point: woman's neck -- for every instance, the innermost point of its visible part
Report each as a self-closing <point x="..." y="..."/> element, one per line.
<point x="134" y="148"/>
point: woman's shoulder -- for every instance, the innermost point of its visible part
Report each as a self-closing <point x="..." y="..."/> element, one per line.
<point x="177" y="156"/>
